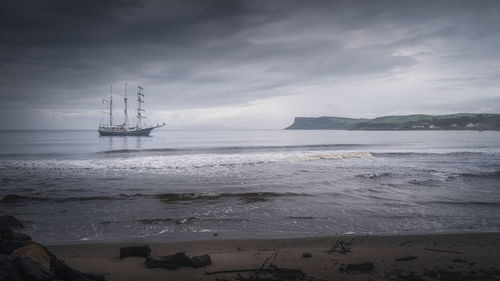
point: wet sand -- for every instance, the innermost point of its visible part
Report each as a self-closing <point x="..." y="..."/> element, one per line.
<point x="428" y="257"/>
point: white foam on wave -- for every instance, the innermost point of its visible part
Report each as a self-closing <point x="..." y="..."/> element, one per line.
<point x="333" y="156"/>
<point x="160" y="164"/>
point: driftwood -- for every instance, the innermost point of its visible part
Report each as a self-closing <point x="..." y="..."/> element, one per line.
<point x="268" y="272"/>
<point x="443" y="251"/>
<point x="272" y="257"/>
<point x="356" y="267"/>
<point x="135" y="251"/>
<point x="230" y="271"/>
<point x="341" y="246"/>
<point x="407" y="258"/>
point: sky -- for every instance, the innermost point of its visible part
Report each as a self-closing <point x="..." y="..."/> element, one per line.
<point x="245" y="64"/>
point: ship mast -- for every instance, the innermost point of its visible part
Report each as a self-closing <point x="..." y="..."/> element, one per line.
<point x="110" y="102"/>
<point x="125" y="110"/>
<point x="140" y="101"/>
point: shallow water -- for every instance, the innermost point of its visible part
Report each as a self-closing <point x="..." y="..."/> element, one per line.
<point x="75" y="185"/>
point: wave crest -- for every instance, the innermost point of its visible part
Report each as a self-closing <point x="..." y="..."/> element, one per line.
<point x="247" y="197"/>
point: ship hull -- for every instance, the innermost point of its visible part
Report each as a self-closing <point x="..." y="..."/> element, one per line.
<point x="140" y="132"/>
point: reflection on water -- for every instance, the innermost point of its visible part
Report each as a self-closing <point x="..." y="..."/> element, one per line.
<point x="122" y="142"/>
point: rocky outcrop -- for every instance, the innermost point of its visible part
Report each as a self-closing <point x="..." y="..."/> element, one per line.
<point x="22" y="259"/>
<point x="10" y="221"/>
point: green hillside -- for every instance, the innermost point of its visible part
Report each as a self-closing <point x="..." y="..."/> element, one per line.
<point x="459" y="121"/>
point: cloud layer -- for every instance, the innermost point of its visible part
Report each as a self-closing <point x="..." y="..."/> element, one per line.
<point x="246" y="64"/>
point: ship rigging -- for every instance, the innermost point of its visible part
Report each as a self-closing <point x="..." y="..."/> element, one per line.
<point x="124" y="129"/>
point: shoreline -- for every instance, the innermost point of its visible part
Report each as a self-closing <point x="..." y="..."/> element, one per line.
<point x="459" y="254"/>
<point x="173" y="237"/>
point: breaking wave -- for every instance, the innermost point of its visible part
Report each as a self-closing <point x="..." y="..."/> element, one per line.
<point x="463" y="203"/>
<point x="247" y="197"/>
<point x="374" y="175"/>
<point x="188" y="220"/>
<point x="334" y="156"/>
<point x="16" y="199"/>
<point x="493" y="175"/>
<point x="235" y="149"/>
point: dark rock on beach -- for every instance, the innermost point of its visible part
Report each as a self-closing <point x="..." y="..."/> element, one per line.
<point x="10" y="221"/>
<point x="175" y="261"/>
<point x="169" y="262"/>
<point x="135" y="251"/>
<point x="199" y="261"/>
<point x="8" y="246"/>
<point x="5" y="233"/>
<point x="24" y="260"/>
<point x="34" y="252"/>
<point x="8" y="234"/>
<point x="7" y="269"/>
<point x="31" y="270"/>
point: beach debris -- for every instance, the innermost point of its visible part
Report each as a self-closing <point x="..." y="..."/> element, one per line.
<point x="407" y="258"/>
<point x="169" y="262"/>
<point x="459" y="260"/>
<point x="199" y="261"/>
<point x="175" y="261"/>
<point x="306" y="255"/>
<point x="10" y="221"/>
<point x="270" y="260"/>
<point x="341" y="246"/>
<point x="230" y="271"/>
<point x="269" y="272"/>
<point x="34" y="252"/>
<point x="274" y="273"/>
<point x="401" y="275"/>
<point x="356" y="267"/>
<point x="442" y="251"/>
<point x="135" y="251"/>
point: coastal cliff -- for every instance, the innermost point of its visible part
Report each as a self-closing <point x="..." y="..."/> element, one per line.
<point x="459" y="121"/>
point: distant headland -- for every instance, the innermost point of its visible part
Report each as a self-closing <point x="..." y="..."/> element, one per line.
<point x="459" y="121"/>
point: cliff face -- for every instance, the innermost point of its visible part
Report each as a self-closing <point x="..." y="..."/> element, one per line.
<point x="460" y="121"/>
<point x="323" y="123"/>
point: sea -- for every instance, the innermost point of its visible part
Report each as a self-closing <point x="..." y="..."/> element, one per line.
<point x="68" y="186"/>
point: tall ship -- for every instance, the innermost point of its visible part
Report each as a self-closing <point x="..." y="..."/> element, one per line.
<point x="125" y="129"/>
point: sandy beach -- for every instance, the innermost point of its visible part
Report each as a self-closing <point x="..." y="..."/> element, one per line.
<point x="412" y="257"/>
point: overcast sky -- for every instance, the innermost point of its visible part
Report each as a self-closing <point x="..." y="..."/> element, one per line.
<point x="245" y="64"/>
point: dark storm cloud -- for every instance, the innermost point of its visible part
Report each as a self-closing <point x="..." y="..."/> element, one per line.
<point x="61" y="55"/>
